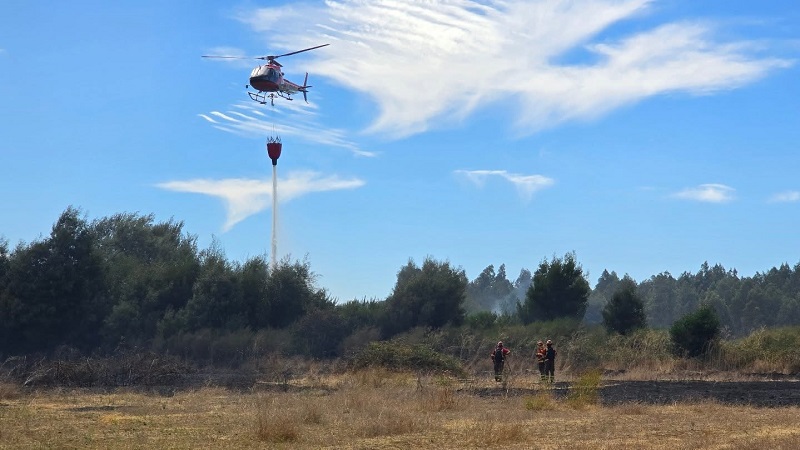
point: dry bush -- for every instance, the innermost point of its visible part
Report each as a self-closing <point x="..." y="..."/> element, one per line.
<point x="399" y="356"/>
<point x="644" y="349"/>
<point x="269" y="341"/>
<point x="774" y="350"/>
<point x="491" y="434"/>
<point x="355" y="343"/>
<point x="543" y="400"/>
<point x="376" y="402"/>
<point x="9" y="391"/>
<point x="276" y="428"/>
<point x="439" y="399"/>
<point x="379" y="377"/>
<point x="312" y="412"/>
<point x="585" y="390"/>
<point x="274" y="424"/>
<point x="124" y="369"/>
<point x="390" y="422"/>
<point x="630" y="409"/>
<point x="276" y="367"/>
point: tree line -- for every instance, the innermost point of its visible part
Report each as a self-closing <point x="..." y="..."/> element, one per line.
<point x="742" y="304"/>
<point x="127" y="280"/>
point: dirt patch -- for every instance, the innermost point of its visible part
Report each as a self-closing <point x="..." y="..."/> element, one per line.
<point x="768" y="394"/>
<point x="97" y="408"/>
<point x="753" y="393"/>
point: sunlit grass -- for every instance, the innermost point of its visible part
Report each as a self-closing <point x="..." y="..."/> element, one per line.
<point x="585" y="390"/>
<point x="380" y="409"/>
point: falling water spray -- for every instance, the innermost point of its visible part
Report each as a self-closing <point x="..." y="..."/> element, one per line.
<point x="274" y="147"/>
<point x="274" y="216"/>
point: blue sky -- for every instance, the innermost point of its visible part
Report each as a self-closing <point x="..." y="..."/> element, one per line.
<point x="646" y="136"/>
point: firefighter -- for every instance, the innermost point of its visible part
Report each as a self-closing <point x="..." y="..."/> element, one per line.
<point x="541" y="357"/>
<point x="499" y="358"/>
<point x="550" y="362"/>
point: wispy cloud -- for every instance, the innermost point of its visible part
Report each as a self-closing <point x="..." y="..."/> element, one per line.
<point x="526" y="185"/>
<point x="710" y="193"/>
<point x="208" y="118"/>
<point x="245" y="197"/>
<point x="430" y="62"/>
<point x="786" y="197"/>
<point x="289" y="120"/>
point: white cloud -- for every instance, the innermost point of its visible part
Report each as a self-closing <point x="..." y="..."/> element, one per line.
<point x="526" y="185"/>
<point x="710" y="193"/>
<point x="208" y="118"/>
<point x="428" y="62"/>
<point x="289" y="120"/>
<point x="786" y="197"/>
<point x="245" y="197"/>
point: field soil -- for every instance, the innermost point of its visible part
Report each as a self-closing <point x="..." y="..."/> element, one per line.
<point x="744" y="393"/>
<point x="382" y="410"/>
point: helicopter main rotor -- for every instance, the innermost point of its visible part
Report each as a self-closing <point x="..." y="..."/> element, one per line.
<point x="270" y="58"/>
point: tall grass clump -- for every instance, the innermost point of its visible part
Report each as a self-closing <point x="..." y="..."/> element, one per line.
<point x="9" y="391"/>
<point x="377" y="378"/>
<point x="273" y="425"/>
<point x="401" y="357"/>
<point x="493" y="434"/>
<point x="542" y="400"/>
<point x="585" y="390"/>
<point x="642" y="349"/>
<point x="391" y="423"/>
<point x="764" y="350"/>
<point x="276" y="429"/>
<point x="586" y="348"/>
<point x="439" y="399"/>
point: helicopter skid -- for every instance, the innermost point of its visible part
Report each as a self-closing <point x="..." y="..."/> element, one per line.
<point x="262" y="97"/>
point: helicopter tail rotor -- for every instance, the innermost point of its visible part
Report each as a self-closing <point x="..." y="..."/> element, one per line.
<point x="304" y="90"/>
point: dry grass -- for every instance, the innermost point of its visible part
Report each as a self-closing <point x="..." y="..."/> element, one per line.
<point x="378" y="409"/>
<point x="541" y="401"/>
<point x="585" y="391"/>
<point x="9" y="391"/>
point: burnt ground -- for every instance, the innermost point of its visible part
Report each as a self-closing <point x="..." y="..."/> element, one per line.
<point x="768" y="394"/>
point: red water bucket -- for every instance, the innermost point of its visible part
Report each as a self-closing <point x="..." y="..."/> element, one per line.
<point x="274" y="151"/>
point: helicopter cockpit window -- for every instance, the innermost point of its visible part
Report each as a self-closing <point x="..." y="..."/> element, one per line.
<point x="268" y="73"/>
<point x="273" y="75"/>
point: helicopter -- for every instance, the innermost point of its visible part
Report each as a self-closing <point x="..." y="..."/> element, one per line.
<point x="268" y="80"/>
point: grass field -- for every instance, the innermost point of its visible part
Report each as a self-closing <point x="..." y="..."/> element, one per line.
<point x="375" y="409"/>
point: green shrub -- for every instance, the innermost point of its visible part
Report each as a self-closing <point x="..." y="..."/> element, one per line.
<point x="624" y="313"/>
<point x="557" y="329"/>
<point x="694" y="333"/>
<point x="481" y="320"/>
